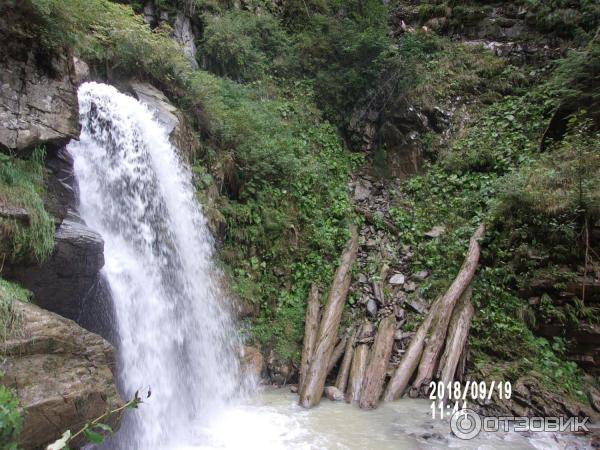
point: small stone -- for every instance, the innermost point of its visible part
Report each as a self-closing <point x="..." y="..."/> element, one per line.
<point x="417" y="305"/>
<point x="371" y="243"/>
<point x="436" y="232"/>
<point x="362" y="190"/>
<point x="334" y="394"/>
<point x="411" y="286"/>
<point x="421" y="275"/>
<point x="397" y="279"/>
<point x="294" y="388"/>
<point x="362" y="278"/>
<point x="372" y="307"/>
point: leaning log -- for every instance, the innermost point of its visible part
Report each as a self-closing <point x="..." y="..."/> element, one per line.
<point x="311" y="329"/>
<point x="458" y="332"/>
<point x="380" y="357"/>
<point x="360" y="359"/>
<point x="439" y="324"/>
<point x="341" y="380"/>
<point x="336" y="355"/>
<point x="409" y="362"/>
<point x="313" y="385"/>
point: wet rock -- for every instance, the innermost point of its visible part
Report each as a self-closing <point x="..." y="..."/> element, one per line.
<point x="397" y="279"/>
<point x="175" y="123"/>
<point x="183" y="34"/>
<point x="294" y="388"/>
<point x="39" y="103"/>
<point x="252" y="361"/>
<point x="62" y="283"/>
<point x="372" y="307"/>
<point x="435" y="232"/>
<point x="62" y="375"/>
<point x="421" y="275"/>
<point x="333" y="394"/>
<point x="280" y="372"/>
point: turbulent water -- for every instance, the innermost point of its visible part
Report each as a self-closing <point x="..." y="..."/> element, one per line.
<point x="175" y="335"/>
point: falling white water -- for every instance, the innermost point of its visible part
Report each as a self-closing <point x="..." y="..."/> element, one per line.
<point x="175" y="334"/>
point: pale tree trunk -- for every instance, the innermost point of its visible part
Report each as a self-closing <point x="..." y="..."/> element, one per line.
<point x="311" y="329"/>
<point x="410" y="360"/>
<point x="338" y="352"/>
<point x="380" y="356"/>
<point x="313" y="385"/>
<point x="342" y="377"/>
<point x="439" y="325"/>
<point x="458" y="332"/>
<point x="358" y="368"/>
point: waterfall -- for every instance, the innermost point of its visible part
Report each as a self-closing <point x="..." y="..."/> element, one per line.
<point x="175" y="331"/>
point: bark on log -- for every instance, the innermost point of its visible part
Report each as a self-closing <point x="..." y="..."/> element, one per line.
<point x="458" y="332"/>
<point x="410" y="360"/>
<point x="441" y="316"/>
<point x="311" y="329"/>
<point x="312" y="389"/>
<point x="341" y="380"/>
<point x="380" y="356"/>
<point x="360" y="359"/>
<point x="338" y="352"/>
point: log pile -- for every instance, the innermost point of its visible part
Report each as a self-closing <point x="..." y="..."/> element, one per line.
<point x="362" y="356"/>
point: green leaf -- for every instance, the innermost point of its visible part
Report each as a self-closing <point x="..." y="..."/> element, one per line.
<point x="93" y="437"/>
<point x="61" y="443"/>
<point x="103" y="427"/>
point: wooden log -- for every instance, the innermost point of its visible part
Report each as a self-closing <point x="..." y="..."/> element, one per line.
<point x="341" y="380"/>
<point x="311" y="329"/>
<point x="313" y="385"/>
<point x="380" y="356"/>
<point x="405" y="370"/>
<point x="358" y="368"/>
<point x="441" y="316"/>
<point x="336" y="355"/>
<point x="458" y="332"/>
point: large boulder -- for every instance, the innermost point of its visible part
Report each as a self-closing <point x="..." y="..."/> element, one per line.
<point x="39" y="102"/>
<point x="63" y="282"/>
<point x="184" y="35"/>
<point x="62" y="374"/>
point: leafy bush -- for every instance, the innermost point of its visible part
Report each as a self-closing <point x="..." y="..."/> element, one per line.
<point x="21" y="187"/>
<point x="242" y="45"/>
<point x="11" y="420"/>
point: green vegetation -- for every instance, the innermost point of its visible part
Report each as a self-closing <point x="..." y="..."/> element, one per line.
<point x="537" y="206"/>
<point x="11" y="420"/>
<point x="30" y="238"/>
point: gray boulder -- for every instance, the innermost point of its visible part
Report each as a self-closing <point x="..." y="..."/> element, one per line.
<point x="63" y="282"/>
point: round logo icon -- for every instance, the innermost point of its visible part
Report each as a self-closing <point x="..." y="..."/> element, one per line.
<point x="465" y="424"/>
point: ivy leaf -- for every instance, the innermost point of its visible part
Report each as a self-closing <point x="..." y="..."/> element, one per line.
<point x="93" y="437"/>
<point x="103" y="427"/>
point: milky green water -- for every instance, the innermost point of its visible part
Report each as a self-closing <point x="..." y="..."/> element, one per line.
<point x="274" y="421"/>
